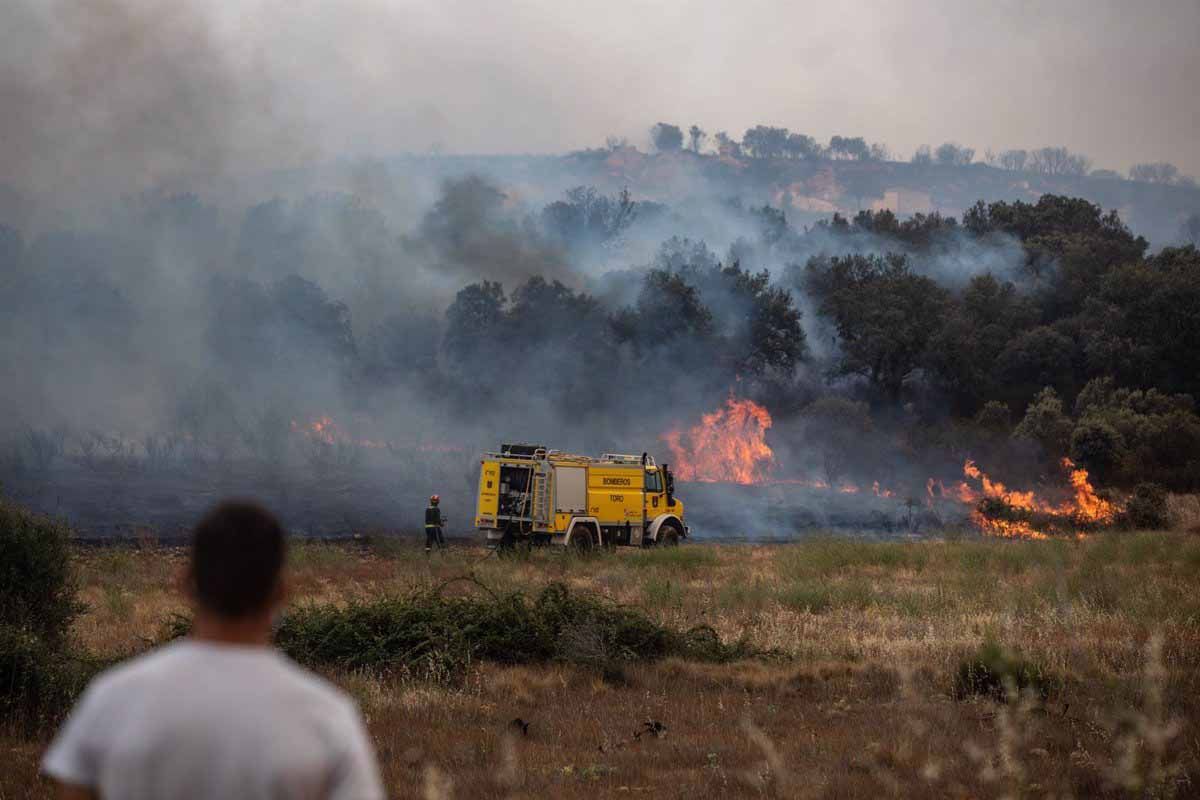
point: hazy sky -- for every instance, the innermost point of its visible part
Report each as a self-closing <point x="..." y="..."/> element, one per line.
<point x="134" y="90"/>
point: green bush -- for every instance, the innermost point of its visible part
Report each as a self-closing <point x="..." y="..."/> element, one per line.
<point x="416" y="631"/>
<point x="993" y="672"/>
<point x="1099" y="447"/>
<point x="37" y="583"/>
<point x="38" y="682"/>
<point x="1147" y="508"/>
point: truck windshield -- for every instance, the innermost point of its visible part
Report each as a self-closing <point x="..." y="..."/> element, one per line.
<point x="653" y="482"/>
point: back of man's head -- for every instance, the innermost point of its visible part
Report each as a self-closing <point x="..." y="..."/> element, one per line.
<point x="237" y="555"/>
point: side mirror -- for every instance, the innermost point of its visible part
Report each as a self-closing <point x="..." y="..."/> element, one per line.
<point x="669" y="482"/>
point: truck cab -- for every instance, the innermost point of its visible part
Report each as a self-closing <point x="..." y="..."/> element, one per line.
<point x="531" y="493"/>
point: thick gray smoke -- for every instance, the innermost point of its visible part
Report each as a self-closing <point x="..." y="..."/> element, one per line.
<point x="218" y="274"/>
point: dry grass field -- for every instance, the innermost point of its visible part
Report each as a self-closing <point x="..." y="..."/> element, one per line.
<point x="859" y="699"/>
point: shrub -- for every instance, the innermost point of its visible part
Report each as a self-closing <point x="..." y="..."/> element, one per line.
<point x="37" y="583"/>
<point x="993" y="672"/>
<point x="557" y="625"/>
<point x="38" y="682"/>
<point x="1147" y="508"/>
<point x="1098" y="446"/>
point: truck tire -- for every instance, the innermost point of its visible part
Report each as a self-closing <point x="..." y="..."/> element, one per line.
<point x="669" y="535"/>
<point x="508" y="540"/>
<point x="582" y="539"/>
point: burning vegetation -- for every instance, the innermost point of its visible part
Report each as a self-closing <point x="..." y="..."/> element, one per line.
<point x="729" y="445"/>
<point x="1014" y="514"/>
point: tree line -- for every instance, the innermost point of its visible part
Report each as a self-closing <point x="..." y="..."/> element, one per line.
<point x="773" y="142"/>
<point x="1029" y="330"/>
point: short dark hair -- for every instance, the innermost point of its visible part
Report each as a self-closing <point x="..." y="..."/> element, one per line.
<point x="237" y="554"/>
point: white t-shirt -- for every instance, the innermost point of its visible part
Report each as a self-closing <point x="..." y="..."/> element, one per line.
<point x="197" y="720"/>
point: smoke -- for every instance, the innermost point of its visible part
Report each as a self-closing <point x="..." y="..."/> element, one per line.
<point x="124" y="95"/>
<point x="208" y="242"/>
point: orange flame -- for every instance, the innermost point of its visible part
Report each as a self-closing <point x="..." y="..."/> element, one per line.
<point x="1088" y="505"/>
<point x="727" y="445"/>
<point x="324" y="430"/>
<point x="1085" y="507"/>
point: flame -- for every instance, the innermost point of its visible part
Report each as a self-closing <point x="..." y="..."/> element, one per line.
<point x="727" y="445"/>
<point x="324" y="430"/>
<point x="994" y="489"/>
<point x="730" y="445"/>
<point x="1084" y="508"/>
<point x="1088" y="506"/>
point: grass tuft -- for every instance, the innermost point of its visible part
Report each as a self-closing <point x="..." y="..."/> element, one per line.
<point x="998" y="674"/>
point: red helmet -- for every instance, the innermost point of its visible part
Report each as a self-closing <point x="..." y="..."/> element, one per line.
<point x="433" y="498"/>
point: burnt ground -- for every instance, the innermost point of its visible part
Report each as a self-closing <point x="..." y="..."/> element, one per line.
<point x="386" y="494"/>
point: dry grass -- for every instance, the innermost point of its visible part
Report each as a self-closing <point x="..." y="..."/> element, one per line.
<point x="864" y="708"/>
<point x="1183" y="511"/>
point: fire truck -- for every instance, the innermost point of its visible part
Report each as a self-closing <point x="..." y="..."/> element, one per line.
<point x="530" y="494"/>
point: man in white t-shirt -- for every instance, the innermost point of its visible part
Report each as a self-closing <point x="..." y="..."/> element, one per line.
<point x="220" y="714"/>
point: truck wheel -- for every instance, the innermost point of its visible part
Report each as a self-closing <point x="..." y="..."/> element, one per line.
<point x="508" y="540"/>
<point x="581" y="540"/>
<point x="669" y="535"/>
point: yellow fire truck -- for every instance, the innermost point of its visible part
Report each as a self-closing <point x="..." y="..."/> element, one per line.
<point x="529" y="493"/>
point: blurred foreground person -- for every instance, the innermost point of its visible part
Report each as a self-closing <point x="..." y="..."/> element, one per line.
<point x="220" y="714"/>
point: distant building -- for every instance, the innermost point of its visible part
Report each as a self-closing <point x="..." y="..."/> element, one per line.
<point x="904" y="202"/>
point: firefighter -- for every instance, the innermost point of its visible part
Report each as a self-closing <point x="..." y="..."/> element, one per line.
<point x="433" y="525"/>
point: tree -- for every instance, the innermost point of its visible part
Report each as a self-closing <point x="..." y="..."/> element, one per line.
<point x="1098" y="447"/>
<point x="1151" y="310"/>
<point x="772" y="224"/>
<point x="1038" y="357"/>
<point x="836" y="428"/>
<point x="1133" y="435"/>
<point x="773" y="341"/>
<point x="313" y="318"/>
<point x="1159" y="172"/>
<point x="680" y="254"/>
<point x="953" y="155"/>
<point x="589" y="218"/>
<point x="800" y="145"/>
<point x="849" y="147"/>
<point x="696" y="138"/>
<point x="402" y="346"/>
<point x="473" y="319"/>
<point x="1045" y="423"/>
<point x="615" y="143"/>
<point x="1190" y="230"/>
<point x="994" y="417"/>
<point x="885" y="316"/>
<point x="290" y="325"/>
<point x="922" y="157"/>
<point x="1068" y="244"/>
<point x="667" y="138"/>
<point x="1058" y="161"/>
<point x="1015" y="160"/>
<point x="727" y="146"/>
<point x="38" y="581"/>
<point x="765" y="142"/>
<point x="977" y="326"/>
<point x="669" y="318"/>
